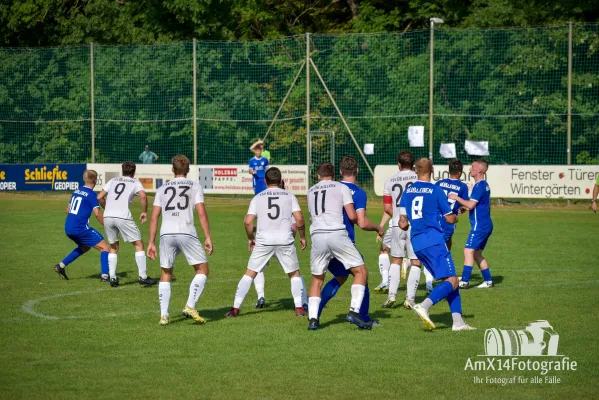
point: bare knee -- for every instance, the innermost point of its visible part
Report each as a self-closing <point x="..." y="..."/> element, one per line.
<point x="454" y="281"/>
<point x="139" y="245"/>
<point x="250" y="273"/>
<point x="166" y="274"/>
<point x="201" y="269"/>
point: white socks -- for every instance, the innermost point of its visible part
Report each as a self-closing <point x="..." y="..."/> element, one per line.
<point x="259" y="284"/>
<point x="394" y="277"/>
<point x="413" y="282"/>
<point x="357" y="295"/>
<point x="195" y="289"/>
<point x="296" y="291"/>
<point x="384" y="265"/>
<point x="164" y="295"/>
<point x="140" y="260"/>
<point x="304" y="291"/>
<point x="313" y="304"/>
<point x="112" y="261"/>
<point x="429" y="278"/>
<point x="242" y="290"/>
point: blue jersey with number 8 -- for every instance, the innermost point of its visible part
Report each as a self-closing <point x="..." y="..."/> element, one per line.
<point x="81" y="206"/>
<point x="425" y="205"/>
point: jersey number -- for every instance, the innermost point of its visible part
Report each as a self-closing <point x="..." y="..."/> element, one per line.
<point x="120" y="191"/>
<point x="397" y="185"/>
<point x="450" y="201"/>
<point x="272" y="205"/>
<point x="324" y="196"/>
<point x="75" y="204"/>
<point x="183" y="194"/>
<point x="417" y="207"/>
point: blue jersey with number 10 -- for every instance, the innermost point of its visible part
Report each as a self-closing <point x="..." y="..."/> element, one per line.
<point x="82" y="204"/>
<point x="425" y="204"/>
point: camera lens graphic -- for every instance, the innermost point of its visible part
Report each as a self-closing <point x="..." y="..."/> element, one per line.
<point x="502" y="342"/>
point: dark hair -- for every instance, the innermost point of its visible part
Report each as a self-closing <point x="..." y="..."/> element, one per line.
<point x="282" y="184"/>
<point x="326" y="169"/>
<point x="405" y="159"/>
<point x="128" y="168"/>
<point x="455" y="167"/>
<point x="180" y="165"/>
<point x="273" y="176"/>
<point x="349" y="166"/>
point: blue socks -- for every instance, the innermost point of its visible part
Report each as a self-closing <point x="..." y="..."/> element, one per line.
<point x="104" y="262"/>
<point x="365" y="306"/>
<point x="466" y="273"/>
<point x="328" y="292"/>
<point x="455" y="301"/>
<point x="440" y="292"/>
<point x="486" y="274"/>
<point x="72" y="256"/>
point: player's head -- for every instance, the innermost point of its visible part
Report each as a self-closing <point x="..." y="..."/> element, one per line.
<point x="325" y="171"/>
<point x="147" y="148"/>
<point x="424" y="169"/>
<point x="479" y="168"/>
<point x="273" y="177"/>
<point x="128" y="168"/>
<point x="349" y="166"/>
<point x="180" y="165"/>
<point x="405" y="159"/>
<point x="90" y="177"/>
<point x="455" y="168"/>
<point x="258" y="148"/>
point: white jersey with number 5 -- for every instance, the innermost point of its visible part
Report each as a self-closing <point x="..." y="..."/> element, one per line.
<point x="326" y="200"/>
<point x="274" y="209"/>
<point x="178" y="199"/>
<point x="120" y="192"/>
<point x="394" y="188"/>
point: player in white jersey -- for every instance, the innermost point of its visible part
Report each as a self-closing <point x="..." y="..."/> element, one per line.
<point x="326" y="202"/>
<point x="275" y="209"/>
<point x="115" y="197"/>
<point x="401" y="245"/>
<point x="177" y="200"/>
<point x="384" y="262"/>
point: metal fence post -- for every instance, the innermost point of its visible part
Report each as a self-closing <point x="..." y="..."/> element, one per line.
<point x="569" y="92"/>
<point x="430" y="93"/>
<point x="308" y="141"/>
<point x="92" y="111"/>
<point x="195" y="102"/>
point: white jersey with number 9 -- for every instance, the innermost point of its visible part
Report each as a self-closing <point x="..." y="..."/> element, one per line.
<point x="178" y="199"/>
<point x="120" y="192"/>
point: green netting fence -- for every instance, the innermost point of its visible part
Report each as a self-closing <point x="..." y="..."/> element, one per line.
<point x="505" y="86"/>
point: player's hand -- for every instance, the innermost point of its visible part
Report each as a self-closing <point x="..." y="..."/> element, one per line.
<point x="379" y="238"/>
<point x="251" y="244"/>
<point x="381" y="231"/>
<point x="143" y="217"/>
<point x="152" y="251"/>
<point x="594" y="206"/>
<point x="452" y="196"/>
<point x="208" y="246"/>
<point x="303" y="243"/>
<point x="463" y="210"/>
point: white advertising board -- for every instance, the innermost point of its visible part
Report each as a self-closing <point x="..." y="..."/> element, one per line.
<point x="519" y="181"/>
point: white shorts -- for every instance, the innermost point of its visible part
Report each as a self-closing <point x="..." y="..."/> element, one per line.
<point x="285" y="254"/>
<point x="326" y="245"/>
<point x="126" y="227"/>
<point x="388" y="238"/>
<point x="401" y="244"/>
<point x="172" y="245"/>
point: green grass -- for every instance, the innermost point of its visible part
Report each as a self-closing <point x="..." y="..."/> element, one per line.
<point x="90" y="340"/>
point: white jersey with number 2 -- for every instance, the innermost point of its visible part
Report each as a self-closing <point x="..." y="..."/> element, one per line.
<point x="178" y="199"/>
<point x="120" y="192"/>
<point x="394" y="187"/>
<point x="274" y="209"/>
<point x="326" y="201"/>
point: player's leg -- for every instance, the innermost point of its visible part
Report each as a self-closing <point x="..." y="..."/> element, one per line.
<point x="304" y="293"/>
<point x="483" y="264"/>
<point x="296" y="293"/>
<point x="329" y="290"/>
<point x="287" y="257"/>
<point x="131" y="234"/>
<point x="320" y="256"/>
<point x="429" y="278"/>
<point x="104" y="250"/>
<point x="195" y="255"/>
<point x="412" y="283"/>
<point x="113" y="261"/>
<point x="168" y="253"/>
<point x="398" y="252"/>
<point x="72" y="256"/>
<point x="468" y="260"/>
<point x="259" y="283"/>
<point x="111" y="228"/>
<point x="384" y="262"/>
<point x="256" y="264"/>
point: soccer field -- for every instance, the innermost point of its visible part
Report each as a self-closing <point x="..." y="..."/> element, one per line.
<point x="82" y="338"/>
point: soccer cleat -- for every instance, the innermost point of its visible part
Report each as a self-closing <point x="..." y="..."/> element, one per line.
<point x="261" y="303"/>
<point x="114" y="282"/>
<point x="356" y="319"/>
<point x="390" y="302"/>
<point x="464" y="327"/>
<point x="300" y="312"/>
<point x="233" y="312"/>
<point x="189" y="312"/>
<point x="105" y="279"/>
<point x="382" y="288"/>
<point x="60" y="271"/>
<point x="423" y="315"/>
<point x="163" y="320"/>
<point x="313" y="324"/>
<point x="464" y="285"/>
<point x="408" y="304"/>
<point x="147" y="281"/>
<point x="485" y="285"/>
<point x="374" y="323"/>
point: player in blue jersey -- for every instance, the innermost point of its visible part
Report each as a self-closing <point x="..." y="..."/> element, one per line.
<point x="349" y="171"/>
<point x="453" y="184"/>
<point x="479" y="205"/>
<point x="258" y="166"/>
<point x="83" y="203"/>
<point x="422" y="207"/>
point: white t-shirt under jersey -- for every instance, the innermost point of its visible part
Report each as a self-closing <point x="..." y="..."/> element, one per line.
<point x="120" y="192"/>
<point x="395" y="187"/>
<point x="178" y="199"/>
<point x="274" y="209"/>
<point x="326" y="200"/>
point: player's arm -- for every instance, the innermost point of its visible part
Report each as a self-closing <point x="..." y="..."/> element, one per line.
<point x="153" y="228"/>
<point x="99" y="215"/>
<point x="155" y="156"/>
<point x="203" y="215"/>
<point x="301" y="228"/>
<point x="444" y="208"/>
<point x="467" y="204"/>
<point x="365" y="224"/>
<point x="595" y="193"/>
<point x="403" y="222"/>
<point x="102" y="198"/>
<point x="144" y="206"/>
<point x="249" y="230"/>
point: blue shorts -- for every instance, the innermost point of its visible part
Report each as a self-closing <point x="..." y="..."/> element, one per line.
<point x="338" y="270"/>
<point x="259" y="186"/>
<point x="89" y="237"/>
<point x="437" y="259"/>
<point x="448" y="233"/>
<point x="477" y="240"/>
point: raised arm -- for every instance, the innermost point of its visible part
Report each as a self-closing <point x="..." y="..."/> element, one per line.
<point x="201" y="210"/>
